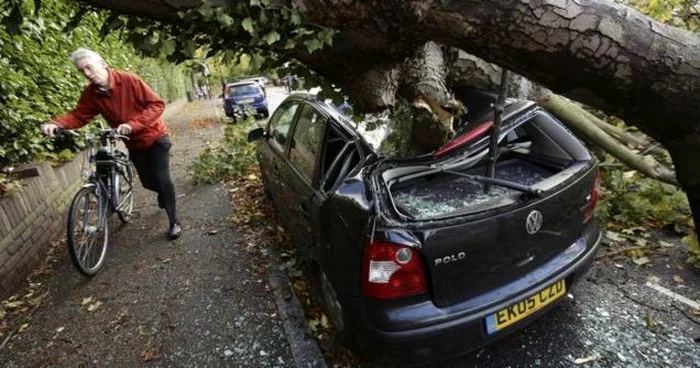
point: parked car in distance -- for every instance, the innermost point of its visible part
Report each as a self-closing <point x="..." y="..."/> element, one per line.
<point x="261" y="81"/>
<point x="243" y="98"/>
<point x="415" y="260"/>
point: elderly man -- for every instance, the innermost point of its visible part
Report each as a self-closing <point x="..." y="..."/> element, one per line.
<point x="133" y="109"/>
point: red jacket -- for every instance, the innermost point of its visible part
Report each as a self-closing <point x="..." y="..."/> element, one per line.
<point x="129" y="100"/>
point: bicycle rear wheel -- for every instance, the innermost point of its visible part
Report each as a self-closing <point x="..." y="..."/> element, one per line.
<point x="88" y="230"/>
<point x="125" y="191"/>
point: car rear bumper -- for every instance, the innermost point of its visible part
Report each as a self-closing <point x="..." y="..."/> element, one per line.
<point x="259" y="108"/>
<point x="456" y="331"/>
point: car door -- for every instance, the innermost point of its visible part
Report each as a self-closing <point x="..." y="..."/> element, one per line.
<point x="301" y="175"/>
<point x="273" y="154"/>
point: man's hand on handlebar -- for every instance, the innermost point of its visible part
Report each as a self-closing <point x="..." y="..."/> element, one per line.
<point x="123" y="129"/>
<point x="49" y="129"/>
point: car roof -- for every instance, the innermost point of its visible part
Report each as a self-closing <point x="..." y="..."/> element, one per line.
<point x="241" y="83"/>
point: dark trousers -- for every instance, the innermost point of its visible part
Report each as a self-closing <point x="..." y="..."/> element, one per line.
<point x="153" y="167"/>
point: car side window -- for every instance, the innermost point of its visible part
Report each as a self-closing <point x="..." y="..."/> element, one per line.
<point x="280" y="122"/>
<point x="340" y="157"/>
<point x="307" y="140"/>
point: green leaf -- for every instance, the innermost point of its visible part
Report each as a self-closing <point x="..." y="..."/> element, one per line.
<point x="206" y="11"/>
<point x="313" y="45"/>
<point x="224" y="19"/>
<point x="254" y="2"/>
<point x="189" y="48"/>
<point x="289" y="44"/>
<point x="296" y="18"/>
<point x="167" y="47"/>
<point x="272" y="37"/>
<point x="248" y="25"/>
<point x="257" y="61"/>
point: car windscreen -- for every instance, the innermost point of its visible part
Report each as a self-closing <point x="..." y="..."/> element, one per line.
<point x="245" y="89"/>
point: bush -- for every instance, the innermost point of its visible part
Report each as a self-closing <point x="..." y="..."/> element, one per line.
<point x="228" y="159"/>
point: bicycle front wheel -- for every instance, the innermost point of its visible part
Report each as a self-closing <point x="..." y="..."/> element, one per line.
<point x="88" y="231"/>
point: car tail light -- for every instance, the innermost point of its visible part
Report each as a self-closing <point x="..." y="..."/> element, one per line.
<point x="593" y="197"/>
<point x="391" y="271"/>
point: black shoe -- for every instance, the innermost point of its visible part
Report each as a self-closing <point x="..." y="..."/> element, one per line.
<point x="174" y="232"/>
<point x="161" y="203"/>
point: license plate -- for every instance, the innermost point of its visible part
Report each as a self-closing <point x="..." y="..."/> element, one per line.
<point x="246" y="100"/>
<point x="518" y="311"/>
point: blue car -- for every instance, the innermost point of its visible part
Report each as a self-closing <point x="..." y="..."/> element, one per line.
<point x="245" y="98"/>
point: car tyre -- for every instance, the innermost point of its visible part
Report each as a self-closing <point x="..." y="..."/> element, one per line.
<point x="332" y="308"/>
<point x="266" y="185"/>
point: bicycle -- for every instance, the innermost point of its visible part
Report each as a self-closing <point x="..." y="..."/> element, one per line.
<point x="108" y="189"/>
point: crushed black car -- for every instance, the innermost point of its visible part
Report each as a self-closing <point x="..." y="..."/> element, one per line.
<point x="416" y="261"/>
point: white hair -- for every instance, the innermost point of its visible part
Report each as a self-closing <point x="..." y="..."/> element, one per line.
<point x="82" y="53"/>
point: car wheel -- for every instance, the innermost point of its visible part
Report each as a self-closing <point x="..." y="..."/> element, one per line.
<point x="334" y="310"/>
<point x="266" y="184"/>
<point x="330" y="301"/>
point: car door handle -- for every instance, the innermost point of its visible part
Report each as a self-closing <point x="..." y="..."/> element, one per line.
<point x="305" y="210"/>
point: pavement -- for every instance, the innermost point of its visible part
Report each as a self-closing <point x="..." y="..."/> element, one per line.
<point x="199" y="301"/>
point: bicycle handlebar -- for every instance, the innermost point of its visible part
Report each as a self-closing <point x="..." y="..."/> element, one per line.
<point x="105" y="133"/>
<point x="61" y="131"/>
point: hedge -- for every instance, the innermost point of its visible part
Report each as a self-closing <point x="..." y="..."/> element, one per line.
<point x="38" y="81"/>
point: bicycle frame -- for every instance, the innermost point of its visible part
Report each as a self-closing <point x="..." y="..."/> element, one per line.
<point x="104" y="174"/>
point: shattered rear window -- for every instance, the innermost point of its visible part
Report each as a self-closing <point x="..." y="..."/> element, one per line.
<point x="441" y="194"/>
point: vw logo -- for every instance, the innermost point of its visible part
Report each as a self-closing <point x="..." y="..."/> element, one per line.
<point x="533" y="223"/>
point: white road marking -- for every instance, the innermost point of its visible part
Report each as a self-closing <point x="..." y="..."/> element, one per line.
<point x="673" y="295"/>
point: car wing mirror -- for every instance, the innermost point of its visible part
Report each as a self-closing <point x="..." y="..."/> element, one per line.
<point x="256" y="134"/>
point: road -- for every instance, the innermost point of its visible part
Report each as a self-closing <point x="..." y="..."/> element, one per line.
<point x="199" y="301"/>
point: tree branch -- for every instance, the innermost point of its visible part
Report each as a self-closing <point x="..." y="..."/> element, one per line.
<point x="566" y="111"/>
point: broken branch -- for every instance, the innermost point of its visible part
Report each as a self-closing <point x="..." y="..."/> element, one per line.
<point x="565" y="110"/>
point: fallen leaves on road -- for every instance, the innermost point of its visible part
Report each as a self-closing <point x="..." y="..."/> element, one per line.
<point x="90" y="304"/>
<point x="149" y="354"/>
<point x="15" y="309"/>
<point x="650" y="322"/>
<point x="203" y="123"/>
<point x="588" y="359"/>
<point x="678" y="279"/>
